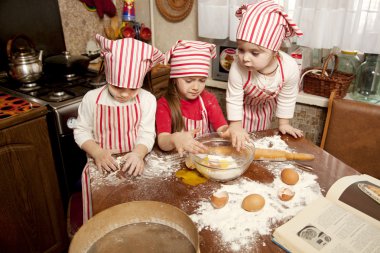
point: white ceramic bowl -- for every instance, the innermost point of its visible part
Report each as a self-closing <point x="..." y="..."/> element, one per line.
<point x="222" y="162"/>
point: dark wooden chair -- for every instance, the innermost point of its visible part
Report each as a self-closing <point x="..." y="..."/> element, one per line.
<point x="352" y="134"/>
<point x="157" y="80"/>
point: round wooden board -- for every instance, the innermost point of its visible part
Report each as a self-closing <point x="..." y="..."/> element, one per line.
<point x="133" y="212"/>
<point x="174" y="10"/>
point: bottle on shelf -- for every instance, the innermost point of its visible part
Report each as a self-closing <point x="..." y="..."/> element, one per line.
<point x="349" y="62"/>
<point x="367" y="84"/>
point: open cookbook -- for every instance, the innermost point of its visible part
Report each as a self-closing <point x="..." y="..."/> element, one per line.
<point x="346" y="220"/>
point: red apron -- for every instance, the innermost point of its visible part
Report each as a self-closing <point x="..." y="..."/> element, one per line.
<point x="116" y="129"/>
<point x="259" y="104"/>
<point x="203" y="124"/>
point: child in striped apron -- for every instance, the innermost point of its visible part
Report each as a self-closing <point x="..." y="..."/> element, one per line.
<point x="187" y="110"/>
<point x="263" y="81"/>
<point x="118" y="117"/>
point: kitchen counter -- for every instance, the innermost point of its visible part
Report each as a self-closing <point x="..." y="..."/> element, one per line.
<point x="32" y="212"/>
<point x="107" y="192"/>
<point x="302" y="98"/>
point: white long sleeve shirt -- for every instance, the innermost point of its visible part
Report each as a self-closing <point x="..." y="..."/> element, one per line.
<point x="286" y="99"/>
<point x="86" y="112"/>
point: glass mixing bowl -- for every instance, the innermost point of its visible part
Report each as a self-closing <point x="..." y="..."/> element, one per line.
<point x="222" y="162"/>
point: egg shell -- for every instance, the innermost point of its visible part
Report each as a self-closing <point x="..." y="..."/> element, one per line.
<point x="285" y="194"/>
<point x="219" y="199"/>
<point x="253" y="203"/>
<point x="289" y="176"/>
<point x="189" y="163"/>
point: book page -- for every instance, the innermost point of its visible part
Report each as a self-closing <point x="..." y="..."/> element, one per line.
<point x="359" y="193"/>
<point x="324" y="226"/>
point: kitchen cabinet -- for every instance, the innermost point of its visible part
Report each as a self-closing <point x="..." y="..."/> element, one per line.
<point x="32" y="217"/>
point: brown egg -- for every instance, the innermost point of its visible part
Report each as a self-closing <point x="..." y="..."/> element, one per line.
<point x="253" y="203"/>
<point x="289" y="176"/>
<point x="219" y="199"/>
<point x="285" y="194"/>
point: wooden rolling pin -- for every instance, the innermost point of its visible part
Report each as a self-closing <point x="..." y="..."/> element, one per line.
<point x="280" y="155"/>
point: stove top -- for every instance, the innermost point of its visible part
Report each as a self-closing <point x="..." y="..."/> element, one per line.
<point x="56" y="92"/>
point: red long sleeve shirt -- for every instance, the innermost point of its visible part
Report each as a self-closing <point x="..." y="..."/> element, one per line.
<point x="191" y="109"/>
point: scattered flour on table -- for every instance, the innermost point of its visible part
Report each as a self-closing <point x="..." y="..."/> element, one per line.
<point x="162" y="166"/>
<point x="271" y="142"/>
<point x="98" y="178"/>
<point x="239" y="228"/>
<point x="155" y="166"/>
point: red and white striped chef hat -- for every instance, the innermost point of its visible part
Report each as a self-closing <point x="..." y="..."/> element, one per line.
<point x="190" y="58"/>
<point x="126" y="61"/>
<point x="265" y="24"/>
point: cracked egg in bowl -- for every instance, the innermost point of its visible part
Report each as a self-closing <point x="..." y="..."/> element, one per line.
<point x="222" y="162"/>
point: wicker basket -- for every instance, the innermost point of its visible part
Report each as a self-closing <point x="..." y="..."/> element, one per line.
<point x="322" y="83"/>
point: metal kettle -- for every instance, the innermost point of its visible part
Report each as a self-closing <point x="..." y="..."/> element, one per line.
<point x="25" y="63"/>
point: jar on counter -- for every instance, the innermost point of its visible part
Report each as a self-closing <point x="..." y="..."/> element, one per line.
<point x="349" y="62"/>
<point x="367" y="84"/>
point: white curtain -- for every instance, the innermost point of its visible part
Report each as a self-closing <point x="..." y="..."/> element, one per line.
<point x="347" y="24"/>
<point x="216" y="18"/>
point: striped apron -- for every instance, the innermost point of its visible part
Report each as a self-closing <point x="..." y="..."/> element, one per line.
<point x="259" y="104"/>
<point x="203" y="124"/>
<point x="116" y="129"/>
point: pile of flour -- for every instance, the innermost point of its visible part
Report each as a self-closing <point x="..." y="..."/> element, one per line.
<point x="240" y="229"/>
<point x="271" y="142"/>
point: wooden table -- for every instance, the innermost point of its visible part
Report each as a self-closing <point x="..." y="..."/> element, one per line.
<point x="172" y="191"/>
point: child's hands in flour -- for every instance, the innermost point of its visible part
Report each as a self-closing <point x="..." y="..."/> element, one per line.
<point x="184" y="141"/>
<point x="134" y="164"/>
<point x="104" y="161"/>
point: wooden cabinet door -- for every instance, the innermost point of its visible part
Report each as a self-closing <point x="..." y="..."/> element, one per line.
<point x="31" y="213"/>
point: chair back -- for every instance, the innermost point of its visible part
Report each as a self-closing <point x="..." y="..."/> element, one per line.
<point x="352" y="134"/>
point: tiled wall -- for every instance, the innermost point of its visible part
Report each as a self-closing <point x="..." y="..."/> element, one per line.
<point x="311" y="120"/>
<point x="308" y="118"/>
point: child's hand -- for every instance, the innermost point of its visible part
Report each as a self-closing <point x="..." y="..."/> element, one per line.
<point x="286" y="128"/>
<point x="134" y="163"/>
<point x="104" y="161"/>
<point x="238" y="135"/>
<point x="184" y="141"/>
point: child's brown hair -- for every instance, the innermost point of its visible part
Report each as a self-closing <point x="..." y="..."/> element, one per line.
<point x="173" y="99"/>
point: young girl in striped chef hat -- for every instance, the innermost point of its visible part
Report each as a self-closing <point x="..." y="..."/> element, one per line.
<point x="187" y="109"/>
<point x="118" y="117"/>
<point x="263" y="80"/>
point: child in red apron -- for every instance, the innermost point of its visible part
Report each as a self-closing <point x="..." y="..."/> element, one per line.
<point x="262" y="81"/>
<point x="187" y="109"/>
<point x="118" y="117"/>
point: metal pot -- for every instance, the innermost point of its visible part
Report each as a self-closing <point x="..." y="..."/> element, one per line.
<point x="66" y="65"/>
<point x="25" y="64"/>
